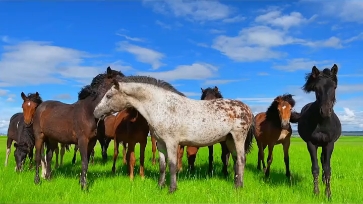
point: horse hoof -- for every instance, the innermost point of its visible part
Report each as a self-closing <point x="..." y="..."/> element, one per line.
<point x="83" y="185"/>
<point x="172" y="190"/>
<point x="37" y="180"/>
<point x="161" y="185"/>
<point x="142" y="178"/>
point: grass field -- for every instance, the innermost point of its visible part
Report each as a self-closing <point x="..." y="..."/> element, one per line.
<point x="104" y="187"/>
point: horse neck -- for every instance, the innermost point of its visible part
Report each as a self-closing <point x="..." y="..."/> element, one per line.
<point x="89" y="104"/>
<point x="315" y="113"/>
<point x="148" y="101"/>
<point x="273" y="117"/>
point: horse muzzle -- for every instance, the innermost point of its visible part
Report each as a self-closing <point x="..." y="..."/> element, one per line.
<point x="28" y="124"/>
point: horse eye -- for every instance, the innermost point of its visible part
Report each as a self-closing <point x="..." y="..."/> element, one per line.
<point x="108" y="96"/>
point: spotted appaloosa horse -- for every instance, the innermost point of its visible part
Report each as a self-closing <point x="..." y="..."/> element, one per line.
<point x="318" y="125"/>
<point x="272" y="128"/>
<point x="209" y="94"/>
<point x="55" y="122"/>
<point x="176" y="119"/>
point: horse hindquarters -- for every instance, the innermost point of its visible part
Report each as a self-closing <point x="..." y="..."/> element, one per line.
<point x="8" y="149"/>
<point x="236" y="146"/>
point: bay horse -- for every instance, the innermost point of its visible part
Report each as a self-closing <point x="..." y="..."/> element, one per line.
<point x="17" y="131"/>
<point x="272" y="128"/>
<point x="130" y="128"/>
<point x="29" y="106"/>
<point x="177" y="120"/>
<point x="55" y="122"/>
<point x="318" y="125"/>
<point x="209" y="94"/>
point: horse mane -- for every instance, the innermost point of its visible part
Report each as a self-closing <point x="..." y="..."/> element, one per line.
<point x="91" y="90"/>
<point x="272" y="113"/>
<point x="35" y="98"/>
<point x="311" y="80"/>
<point x="27" y="139"/>
<point x="152" y="81"/>
<point x="217" y="94"/>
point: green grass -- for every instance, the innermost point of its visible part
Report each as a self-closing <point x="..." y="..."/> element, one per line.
<point x="104" y="187"/>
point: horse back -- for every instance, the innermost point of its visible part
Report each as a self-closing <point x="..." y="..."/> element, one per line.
<point x="15" y="120"/>
<point x="55" y="120"/>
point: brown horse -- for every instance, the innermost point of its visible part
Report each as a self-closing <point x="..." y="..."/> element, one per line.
<point x="55" y="122"/>
<point x="272" y="128"/>
<point x="131" y="128"/>
<point x="209" y="94"/>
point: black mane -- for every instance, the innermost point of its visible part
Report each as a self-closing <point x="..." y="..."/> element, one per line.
<point x="272" y="113"/>
<point x="35" y="98"/>
<point x="312" y="80"/>
<point x="152" y="81"/>
<point x="209" y="90"/>
<point x="91" y="90"/>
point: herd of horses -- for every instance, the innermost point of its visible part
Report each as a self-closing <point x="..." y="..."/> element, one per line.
<point x="126" y="108"/>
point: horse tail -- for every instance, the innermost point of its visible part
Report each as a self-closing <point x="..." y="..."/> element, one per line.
<point x="294" y="117"/>
<point x="250" y="136"/>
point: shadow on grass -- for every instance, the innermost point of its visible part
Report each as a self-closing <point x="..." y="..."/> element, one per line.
<point x="277" y="178"/>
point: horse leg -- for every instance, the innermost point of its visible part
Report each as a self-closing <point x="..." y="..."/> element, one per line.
<point x="269" y="159"/>
<point x="322" y="165"/>
<point x="142" y="158"/>
<point x="180" y="158"/>
<point x="260" y="155"/>
<point x="83" y="150"/>
<point x="153" y="149"/>
<point x="8" y="150"/>
<point x="191" y="154"/>
<point x="124" y="148"/>
<point x="90" y="150"/>
<point x="62" y="151"/>
<point x="236" y="147"/>
<point x="163" y="155"/>
<point x="328" y="151"/>
<point x="49" y="154"/>
<point x="130" y="156"/>
<point x="210" y="169"/>
<point x="115" y="154"/>
<point x="31" y="153"/>
<point x="38" y="157"/>
<point x="286" y="146"/>
<point x="225" y="158"/>
<point x="75" y="154"/>
<point x="171" y="149"/>
<point x="314" y="165"/>
<point x="56" y="156"/>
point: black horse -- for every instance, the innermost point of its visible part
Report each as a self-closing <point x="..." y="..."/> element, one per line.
<point x="318" y="125"/>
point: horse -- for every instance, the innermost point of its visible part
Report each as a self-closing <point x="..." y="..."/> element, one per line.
<point x="177" y="120"/>
<point x="130" y="127"/>
<point x="272" y="128"/>
<point x="55" y="122"/>
<point x="16" y="132"/>
<point x="29" y="105"/>
<point x="318" y="124"/>
<point x="209" y="94"/>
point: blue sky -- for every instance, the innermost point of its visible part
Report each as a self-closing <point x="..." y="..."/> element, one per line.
<point x="253" y="51"/>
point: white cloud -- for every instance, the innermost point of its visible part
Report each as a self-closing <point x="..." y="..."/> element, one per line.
<point x="234" y="19"/>
<point x="196" y="71"/>
<point x="216" y="31"/>
<point x="263" y="74"/>
<point x="193" y="10"/>
<point x="276" y="18"/>
<point x="3" y="92"/>
<point x="34" y="63"/>
<point x="346" y="10"/>
<point x="5" y="39"/>
<point x="163" y="25"/>
<point x="191" y="94"/>
<point x="62" y="96"/>
<point x="332" y="42"/>
<point x="131" y="38"/>
<point x="219" y="81"/>
<point x="143" y="54"/>
<point x="302" y="64"/>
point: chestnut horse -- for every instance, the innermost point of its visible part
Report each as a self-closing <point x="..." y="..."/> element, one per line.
<point x="131" y="128"/>
<point x="55" y="122"/>
<point x="272" y="128"/>
<point x="209" y="94"/>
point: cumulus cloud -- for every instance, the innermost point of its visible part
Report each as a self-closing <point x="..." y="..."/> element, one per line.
<point x="219" y="81"/>
<point x="34" y="63"/>
<point x="303" y="64"/>
<point x="131" y="38"/>
<point x="199" y="11"/>
<point x="62" y="96"/>
<point x="196" y="71"/>
<point x="142" y="54"/>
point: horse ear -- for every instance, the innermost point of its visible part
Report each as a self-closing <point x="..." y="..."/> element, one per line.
<point x="117" y="85"/>
<point x="315" y="72"/>
<point x="202" y="90"/>
<point x="109" y="71"/>
<point x="23" y="96"/>
<point x="334" y="69"/>
<point x="215" y="88"/>
<point x="277" y="99"/>
<point x="37" y="94"/>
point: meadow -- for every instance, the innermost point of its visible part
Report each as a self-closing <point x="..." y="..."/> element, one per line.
<point x="104" y="187"/>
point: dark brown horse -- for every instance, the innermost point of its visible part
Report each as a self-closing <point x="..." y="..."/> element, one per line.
<point x="209" y="94"/>
<point x="272" y="128"/>
<point x="55" y="122"/>
<point x="131" y="128"/>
